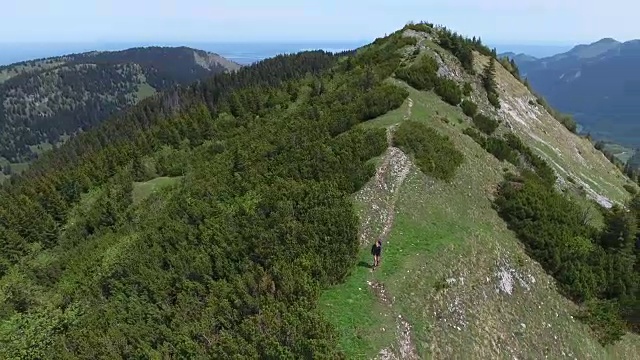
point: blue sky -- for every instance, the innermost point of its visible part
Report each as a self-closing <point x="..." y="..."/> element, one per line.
<point x="496" y="21"/>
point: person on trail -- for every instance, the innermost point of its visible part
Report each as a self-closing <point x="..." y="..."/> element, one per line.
<point x="376" y="249"/>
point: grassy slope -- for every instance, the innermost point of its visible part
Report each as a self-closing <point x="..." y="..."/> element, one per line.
<point x="142" y="190"/>
<point x="449" y="234"/>
<point x="144" y="91"/>
<point x="569" y="155"/>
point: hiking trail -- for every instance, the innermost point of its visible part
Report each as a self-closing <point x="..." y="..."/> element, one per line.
<point x="381" y="195"/>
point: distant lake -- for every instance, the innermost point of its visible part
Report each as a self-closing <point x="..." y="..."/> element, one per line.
<point x="243" y="53"/>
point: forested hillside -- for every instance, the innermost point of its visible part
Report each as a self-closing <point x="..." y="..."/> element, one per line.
<point x="231" y="258"/>
<point x="232" y="219"/>
<point x="43" y="102"/>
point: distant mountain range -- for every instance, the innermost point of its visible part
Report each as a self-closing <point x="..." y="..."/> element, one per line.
<point x="599" y="83"/>
<point x="535" y="50"/>
<point x="243" y="53"/>
<point x="45" y="101"/>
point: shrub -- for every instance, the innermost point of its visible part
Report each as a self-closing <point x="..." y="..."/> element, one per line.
<point x="467" y="89"/>
<point x="421" y="75"/>
<point x="501" y="150"/>
<point x="485" y="124"/>
<point x="498" y="147"/>
<point x="630" y="189"/>
<point x="434" y="154"/>
<point x="469" y="108"/>
<point x="493" y="99"/>
<point x="602" y="316"/>
<point x="449" y="91"/>
<point x="476" y="136"/>
<point x="441" y="284"/>
<point x="171" y="162"/>
<point x="380" y="100"/>
<point x="421" y="26"/>
<point x="566" y="120"/>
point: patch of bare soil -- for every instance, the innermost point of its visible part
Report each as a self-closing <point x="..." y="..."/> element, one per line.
<point x="405" y="348"/>
<point x="380" y="291"/>
<point x="381" y="193"/>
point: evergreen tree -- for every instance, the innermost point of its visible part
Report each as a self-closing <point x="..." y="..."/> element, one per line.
<point x="620" y="230"/>
<point x="489" y="83"/>
<point x="138" y="170"/>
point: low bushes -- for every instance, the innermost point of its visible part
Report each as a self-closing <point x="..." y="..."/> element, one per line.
<point x="434" y="154"/>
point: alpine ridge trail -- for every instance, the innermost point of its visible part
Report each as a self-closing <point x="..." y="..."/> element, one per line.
<point x="382" y="194"/>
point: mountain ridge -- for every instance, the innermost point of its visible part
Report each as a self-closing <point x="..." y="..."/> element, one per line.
<point x="44" y="101"/>
<point x="239" y="211"/>
<point x="7" y="71"/>
<point x="606" y="42"/>
<point x="596" y="83"/>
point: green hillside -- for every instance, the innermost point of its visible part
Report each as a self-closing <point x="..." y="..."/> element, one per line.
<point x="44" y="101"/>
<point x="233" y="219"/>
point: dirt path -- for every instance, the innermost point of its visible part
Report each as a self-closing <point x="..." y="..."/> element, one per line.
<point x="400" y="166"/>
<point x="396" y="165"/>
<point x="381" y="195"/>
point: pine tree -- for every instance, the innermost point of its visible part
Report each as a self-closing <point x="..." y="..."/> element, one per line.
<point x="488" y="76"/>
<point x="138" y="170"/>
<point x="489" y="83"/>
<point x="52" y="201"/>
<point x="620" y="230"/>
<point x="6" y="170"/>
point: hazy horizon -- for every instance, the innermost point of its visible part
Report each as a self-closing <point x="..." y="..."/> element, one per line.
<point x="37" y="28"/>
<point x="237" y="51"/>
<point x="12" y="53"/>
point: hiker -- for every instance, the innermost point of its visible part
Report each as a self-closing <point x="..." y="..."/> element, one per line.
<point x="376" y="249"/>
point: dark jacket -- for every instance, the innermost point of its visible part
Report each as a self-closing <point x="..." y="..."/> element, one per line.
<point x="376" y="250"/>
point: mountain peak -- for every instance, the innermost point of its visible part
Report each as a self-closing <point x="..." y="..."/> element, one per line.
<point x="607" y="40"/>
<point x="519" y="57"/>
<point x="585" y="51"/>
